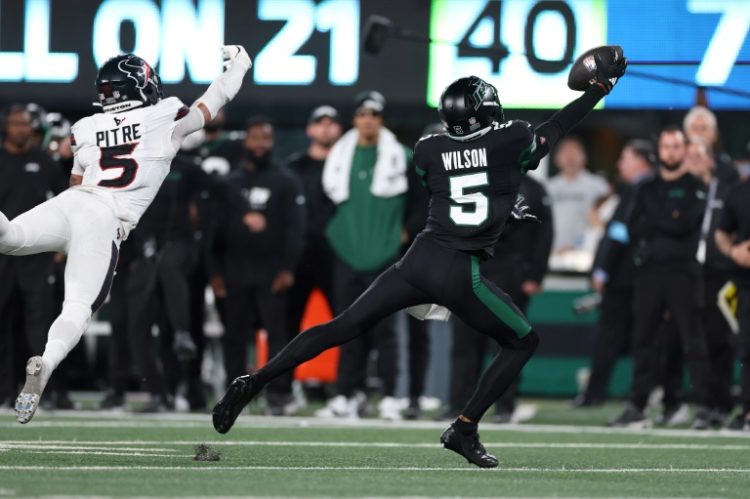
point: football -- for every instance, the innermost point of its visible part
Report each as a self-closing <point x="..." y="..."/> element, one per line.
<point x="583" y="72"/>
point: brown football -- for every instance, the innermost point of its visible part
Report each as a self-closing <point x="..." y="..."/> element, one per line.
<point x="583" y="72"/>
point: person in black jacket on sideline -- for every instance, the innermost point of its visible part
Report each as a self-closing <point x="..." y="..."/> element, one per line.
<point x="613" y="275"/>
<point x="315" y="266"/>
<point x="29" y="178"/>
<point x="257" y="246"/>
<point x="665" y="227"/>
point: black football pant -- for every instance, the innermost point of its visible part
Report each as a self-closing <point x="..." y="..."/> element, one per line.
<point x="614" y="332"/>
<point x="428" y="273"/>
<point x="28" y="282"/>
<point x="471" y="349"/>
<point x="743" y="316"/>
<point x="314" y="270"/>
<point x="681" y="294"/>
<point x="671" y="371"/>
<point x="119" y="348"/>
<point x="197" y="282"/>
<point x="419" y="356"/>
<point x="249" y="308"/>
<point x="720" y="344"/>
<point x="381" y="337"/>
<point x="158" y="288"/>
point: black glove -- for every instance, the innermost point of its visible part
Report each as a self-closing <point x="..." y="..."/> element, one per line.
<point x="520" y="212"/>
<point x="610" y="70"/>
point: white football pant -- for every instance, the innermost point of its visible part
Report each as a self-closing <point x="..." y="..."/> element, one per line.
<point x="83" y="226"/>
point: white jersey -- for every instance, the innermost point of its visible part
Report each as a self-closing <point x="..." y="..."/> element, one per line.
<point x="125" y="157"/>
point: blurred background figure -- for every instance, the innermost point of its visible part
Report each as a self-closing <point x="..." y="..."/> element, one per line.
<point x="573" y="192"/>
<point x="368" y="176"/>
<point x="665" y="226"/>
<point x="28" y="302"/>
<point x="613" y="274"/>
<point x="165" y="252"/>
<point x="701" y="126"/>
<point x="718" y="270"/>
<point x="257" y="246"/>
<point x="733" y="240"/>
<point x="58" y="141"/>
<point x="315" y="265"/>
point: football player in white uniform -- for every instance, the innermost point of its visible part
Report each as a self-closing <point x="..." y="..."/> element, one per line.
<point x="121" y="158"/>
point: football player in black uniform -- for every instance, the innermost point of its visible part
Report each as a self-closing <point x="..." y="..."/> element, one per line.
<point x="472" y="173"/>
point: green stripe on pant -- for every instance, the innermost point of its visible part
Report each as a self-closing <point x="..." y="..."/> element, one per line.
<point x="497" y="306"/>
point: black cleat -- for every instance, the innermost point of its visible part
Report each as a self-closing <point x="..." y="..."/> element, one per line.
<point x="582" y="401"/>
<point x="631" y="417"/>
<point x="240" y="392"/>
<point x="469" y="447"/>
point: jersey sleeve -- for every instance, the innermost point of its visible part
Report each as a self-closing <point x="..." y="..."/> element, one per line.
<point x="183" y="121"/>
<point x="169" y="118"/>
<point x="77" y="167"/>
<point x="419" y="159"/>
<point x="533" y="147"/>
<point x="80" y="135"/>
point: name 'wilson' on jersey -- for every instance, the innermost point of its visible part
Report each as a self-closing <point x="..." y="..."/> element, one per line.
<point x="473" y="185"/>
<point x="125" y="157"/>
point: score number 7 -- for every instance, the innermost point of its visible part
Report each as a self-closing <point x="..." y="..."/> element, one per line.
<point x="725" y="45"/>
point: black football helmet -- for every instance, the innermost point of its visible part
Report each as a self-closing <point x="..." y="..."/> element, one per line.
<point x="468" y="105"/>
<point x="126" y="82"/>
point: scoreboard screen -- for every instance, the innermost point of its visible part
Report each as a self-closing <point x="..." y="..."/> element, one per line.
<point x="703" y="39"/>
<point x="310" y="50"/>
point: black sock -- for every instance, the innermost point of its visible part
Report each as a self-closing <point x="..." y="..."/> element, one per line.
<point x="464" y="427"/>
<point x="499" y="375"/>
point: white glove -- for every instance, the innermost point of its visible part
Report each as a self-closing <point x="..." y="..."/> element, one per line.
<point x="236" y="54"/>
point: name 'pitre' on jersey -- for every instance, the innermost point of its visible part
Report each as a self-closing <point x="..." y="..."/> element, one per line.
<point x="468" y="158"/>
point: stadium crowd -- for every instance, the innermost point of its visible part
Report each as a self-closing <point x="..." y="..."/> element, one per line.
<point x="660" y="243"/>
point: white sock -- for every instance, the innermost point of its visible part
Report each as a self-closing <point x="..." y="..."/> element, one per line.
<point x="63" y="337"/>
<point x="54" y="352"/>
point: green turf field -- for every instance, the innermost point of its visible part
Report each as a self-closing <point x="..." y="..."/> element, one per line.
<point x="88" y="454"/>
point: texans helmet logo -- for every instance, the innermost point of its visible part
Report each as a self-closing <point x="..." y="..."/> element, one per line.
<point x="136" y="71"/>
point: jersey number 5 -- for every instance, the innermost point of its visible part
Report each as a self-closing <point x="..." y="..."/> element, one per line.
<point x="473" y="207"/>
<point x="118" y="157"/>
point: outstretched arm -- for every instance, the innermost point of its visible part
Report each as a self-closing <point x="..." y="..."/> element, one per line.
<point x="551" y="131"/>
<point x="568" y="117"/>
<point x="222" y="90"/>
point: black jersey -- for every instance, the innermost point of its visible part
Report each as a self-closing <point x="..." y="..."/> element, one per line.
<point x="473" y="185"/>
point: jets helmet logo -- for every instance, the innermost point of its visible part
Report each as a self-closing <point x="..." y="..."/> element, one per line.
<point x="478" y="95"/>
<point x="134" y="70"/>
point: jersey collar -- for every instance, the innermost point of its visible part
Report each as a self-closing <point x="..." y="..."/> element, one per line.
<point x="472" y="136"/>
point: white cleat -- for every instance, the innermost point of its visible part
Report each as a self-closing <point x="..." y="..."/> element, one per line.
<point x="28" y="399"/>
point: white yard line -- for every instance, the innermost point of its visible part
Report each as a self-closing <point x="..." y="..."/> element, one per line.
<point x="370" y="469"/>
<point x="97" y="453"/>
<point x="96" y="445"/>
<point x="178" y="421"/>
<point x="73" y="445"/>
